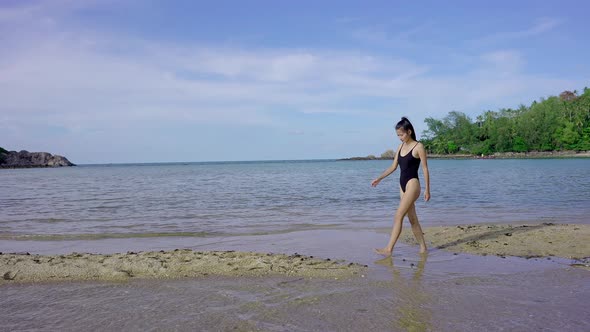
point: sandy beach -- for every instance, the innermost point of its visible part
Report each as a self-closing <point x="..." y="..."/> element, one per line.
<point x="168" y="264"/>
<point x="210" y="288"/>
<point x="532" y="240"/>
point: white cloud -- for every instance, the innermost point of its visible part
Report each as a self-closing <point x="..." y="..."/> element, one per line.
<point x="539" y="27"/>
<point x="76" y="80"/>
<point x="78" y="84"/>
<point x="98" y="82"/>
<point x="389" y="35"/>
<point x="504" y="61"/>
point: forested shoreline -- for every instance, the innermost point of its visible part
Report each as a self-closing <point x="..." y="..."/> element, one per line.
<point x="553" y="127"/>
<point x="556" y="123"/>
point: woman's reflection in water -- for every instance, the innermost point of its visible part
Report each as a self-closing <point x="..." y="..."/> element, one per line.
<point x="410" y="303"/>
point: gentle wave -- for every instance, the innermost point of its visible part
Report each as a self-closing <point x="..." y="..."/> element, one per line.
<point x="242" y="198"/>
<point x="65" y="237"/>
<point x="101" y="236"/>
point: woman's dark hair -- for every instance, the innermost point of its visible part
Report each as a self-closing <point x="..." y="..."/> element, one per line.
<point x="406" y="125"/>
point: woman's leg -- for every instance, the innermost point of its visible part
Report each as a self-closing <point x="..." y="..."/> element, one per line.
<point x="406" y="201"/>
<point x="416" y="229"/>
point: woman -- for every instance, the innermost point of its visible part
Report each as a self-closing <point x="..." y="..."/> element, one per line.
<point x="409" y="156"/>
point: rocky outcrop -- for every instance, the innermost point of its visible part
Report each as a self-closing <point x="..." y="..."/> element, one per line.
<point x="25" y="159"/>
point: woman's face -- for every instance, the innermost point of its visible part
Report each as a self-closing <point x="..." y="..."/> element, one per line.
<point x="403" y="135"/>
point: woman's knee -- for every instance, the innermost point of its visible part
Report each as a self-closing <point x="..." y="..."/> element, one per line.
<point x="399" y="215"/>
<point x="412" y="214"/>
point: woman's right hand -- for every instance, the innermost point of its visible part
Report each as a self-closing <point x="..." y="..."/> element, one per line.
<point x="375" y="182"/>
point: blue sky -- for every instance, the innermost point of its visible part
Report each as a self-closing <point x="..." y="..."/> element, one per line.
<point x="150" y="81"/>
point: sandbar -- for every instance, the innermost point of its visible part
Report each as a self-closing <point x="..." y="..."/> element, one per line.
<point x="179" y="263"/>
<point x="527" y="240"/>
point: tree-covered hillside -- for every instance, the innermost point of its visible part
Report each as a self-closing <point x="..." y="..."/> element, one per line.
<point x="555" y="123"/>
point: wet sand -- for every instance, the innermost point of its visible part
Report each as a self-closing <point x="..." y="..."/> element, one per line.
<point x="533" y="240"/>
<point x="439" y="291"/>
<point x="435" y="292"/>
<point x="168" y="264"/>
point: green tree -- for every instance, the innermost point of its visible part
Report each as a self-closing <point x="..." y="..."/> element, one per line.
<point x="584" y="144"/>
<point x="462" y="131"/>
<point x="453" y="133"/>
<point x="553" y="123"/>
<point x="567" y="136"/>
<point x="519" y="145"/>
<point x="452" y="147"/>
<point x="436" y="135"/>
<point x="540" y="123"/>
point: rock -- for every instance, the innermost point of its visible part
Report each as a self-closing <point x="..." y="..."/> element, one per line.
<point x="10" y="275"/>
<point x="25" y="159"/>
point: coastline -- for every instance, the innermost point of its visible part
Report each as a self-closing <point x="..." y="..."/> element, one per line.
<point x="565" y="241"/>
<point x="31" y="166"/>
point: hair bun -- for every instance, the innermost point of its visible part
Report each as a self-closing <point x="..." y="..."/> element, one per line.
<point x="406" y="125"/>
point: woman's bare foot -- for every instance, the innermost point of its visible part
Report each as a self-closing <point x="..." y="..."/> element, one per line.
<point x="383" y="251"/>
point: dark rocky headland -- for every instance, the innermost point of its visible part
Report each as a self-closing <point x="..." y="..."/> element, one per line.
<point x="25" y="159"/>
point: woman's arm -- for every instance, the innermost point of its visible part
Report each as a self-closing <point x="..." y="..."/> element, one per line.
<point x="424" y="160"/>
<point x="388" y="171"/>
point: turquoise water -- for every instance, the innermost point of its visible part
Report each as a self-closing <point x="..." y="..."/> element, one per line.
<point x="240" y="198"/>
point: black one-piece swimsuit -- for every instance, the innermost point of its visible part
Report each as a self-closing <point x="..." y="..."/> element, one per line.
<point x="409" y="168"/>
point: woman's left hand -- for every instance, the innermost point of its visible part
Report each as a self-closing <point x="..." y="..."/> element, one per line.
<point x="375" y="182"/>
<point x="426" y="195"/>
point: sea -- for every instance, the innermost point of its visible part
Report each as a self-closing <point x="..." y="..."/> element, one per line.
<point x="207" y="199"/>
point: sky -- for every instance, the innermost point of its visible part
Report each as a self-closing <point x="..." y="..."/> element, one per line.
<point x="184" y="81"/>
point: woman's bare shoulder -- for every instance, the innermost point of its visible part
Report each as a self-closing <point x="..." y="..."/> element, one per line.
<point x="420" y="147"/>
